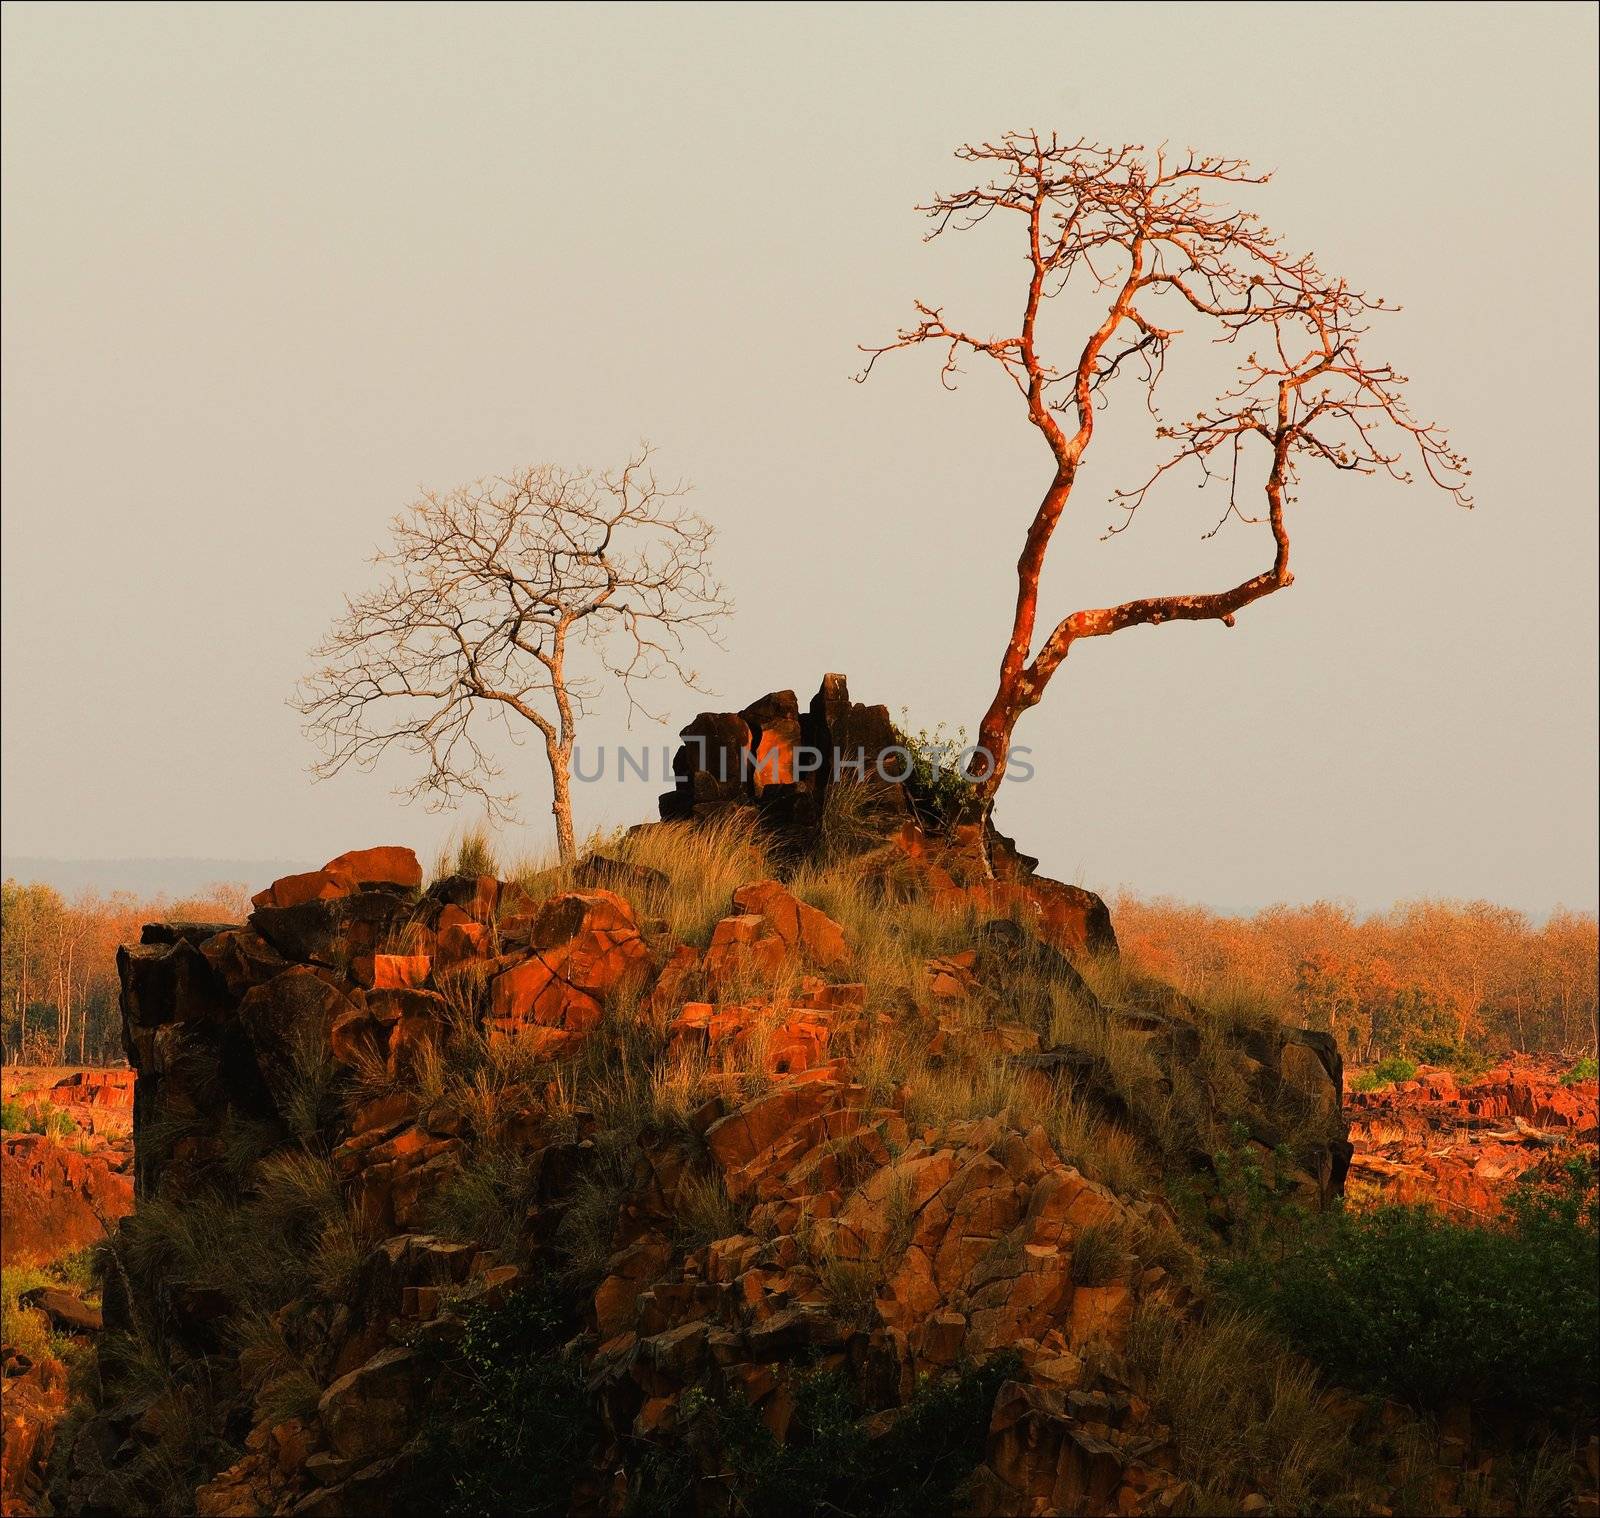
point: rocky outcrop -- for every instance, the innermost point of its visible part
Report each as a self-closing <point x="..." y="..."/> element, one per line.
<point x="782" y="763"/>
<point x="1465" y="1143"/>
<point x="96" y="1102"/>
<point x="797" y="1213"/>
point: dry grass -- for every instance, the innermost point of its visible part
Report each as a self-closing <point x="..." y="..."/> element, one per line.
<point x="705" y="863"/>
<point x="471" y="852"/>
<point x="1245" y="1414"/>
<point x="1101" y="1253"/>
<point x="535" y="876"/>
<point x="849" y="1283"/>
<point x="703" y="1212"/>
<point x="955" y="1091"/>
<point x="890" y="942"/>
<point x="26" y="1329"/>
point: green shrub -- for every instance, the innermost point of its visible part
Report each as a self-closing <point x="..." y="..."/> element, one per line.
<point x="1462" y="1058"/>
<point x="511" y="1428"/>
<point x="936" y="773"/>
<point x="830" y="1462"/>
<point x="1585" y="1070"/>
<point x="1404" y="1302"/>
<point x="1385" y="1073"/>
<point x="41" y="1118"/>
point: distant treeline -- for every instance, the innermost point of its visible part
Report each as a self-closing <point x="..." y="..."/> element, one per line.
<point x="1445" y="981"/>
<point x="58" y="971"/>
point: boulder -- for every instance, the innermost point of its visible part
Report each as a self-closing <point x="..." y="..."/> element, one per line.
<point x="804" y="930"/>
<point x="65" y="1311"/>
<point x="619" y="875"/>
<point x="584" y="945"/>
<point x="35" y="1397"/>
<point x="370" y="1412"/>
<point x="1041" y="1458"/>
<point x="744" y="948"/>
<point x="384" y="866"/>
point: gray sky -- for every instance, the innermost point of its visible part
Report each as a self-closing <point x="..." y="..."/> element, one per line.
<point x="269" y="271"/>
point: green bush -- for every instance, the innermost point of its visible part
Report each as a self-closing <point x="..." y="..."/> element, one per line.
<point x="1385" y="1073"/>
<point x="936" y="774"/>
<point x="43" y="1118"/>
<point x="1585" y="1070"/>
<point x="1404" y="1302"/>
<point x="512" y="1427"/>
<point x="1462" y="1058"/>
<point x="830" y="1462"/>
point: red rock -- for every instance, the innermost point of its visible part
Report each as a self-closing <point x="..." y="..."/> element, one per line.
<point x="399" y="972"/>
<point x="294" y="890"/>
<point x="343" y="876"/>
<point x="54" y="1197"/>
<point x="35" y="1403"/>
<point x="774" y="724"/>
<point x="1041" y="1459"/>
<point x="383" y="1112"/>
<point x="357" y="1039"/>
<point x="744" y="948"/>
<point x="412" y="1038"/>
<point x="1465" y="1145"/>
<point x="463" y="941"/>
<point x="1099" y="1315"/>
<point x="387" y="865"/>
<point x="951" y="977"/>
<point x="242" y="957"/>
<point x="94" y="1088"/>
<point x="368" y="1412"/>
<point x="585" y="944"/>
<point x="681" y="965"/>
<point x="815" y="995"/>
<point x="787" y="1043"/>
<point x="477" y="897"/>
<point x="803" y="929"/>
<point x="65" y="1311"/>
<point x="629" y="1272"/>
<point x="791" y="1112"/>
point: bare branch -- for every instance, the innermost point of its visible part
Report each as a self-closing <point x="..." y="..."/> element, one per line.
<point x="1142" y="232"/>
<point x="486" y="592"/>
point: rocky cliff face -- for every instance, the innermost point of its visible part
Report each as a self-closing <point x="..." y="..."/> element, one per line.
<point x="872" y="1157"/>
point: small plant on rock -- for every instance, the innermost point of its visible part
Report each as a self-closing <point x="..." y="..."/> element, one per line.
<point x="937" y="776"/>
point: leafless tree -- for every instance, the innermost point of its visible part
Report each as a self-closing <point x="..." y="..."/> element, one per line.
<point x="1137" y="234"/>
<point x="513" y="598"/>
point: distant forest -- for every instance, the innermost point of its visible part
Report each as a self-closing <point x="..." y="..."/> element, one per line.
<point x="58" y="965"/>
<point x="1446" y="982"/>
<point x="1449" y="982"/>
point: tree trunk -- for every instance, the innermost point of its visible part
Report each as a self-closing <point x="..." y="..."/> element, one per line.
<point x="561" y="804"/>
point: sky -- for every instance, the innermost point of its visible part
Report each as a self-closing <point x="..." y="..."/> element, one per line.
<point x="271" y="271"/>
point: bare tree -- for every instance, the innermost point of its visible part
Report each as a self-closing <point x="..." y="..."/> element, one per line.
<point x="1137" y="235"/>
<point x="493" y="592"/>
